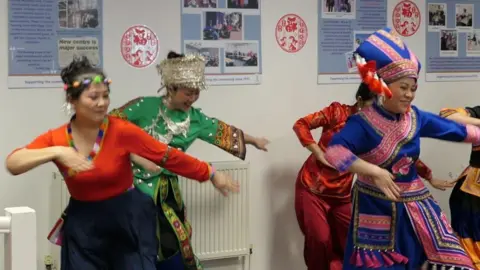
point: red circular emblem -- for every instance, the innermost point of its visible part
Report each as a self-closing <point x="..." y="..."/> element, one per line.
<point x="139" y="46"/>
<point x="406" y="18"/>
<point x="291" y="33"/>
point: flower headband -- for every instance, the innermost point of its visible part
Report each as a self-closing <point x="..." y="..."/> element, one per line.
<point x="97" y="79"/>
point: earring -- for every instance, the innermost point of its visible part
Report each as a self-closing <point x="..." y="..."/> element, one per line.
<point x="67" y="108"/>
<point x="381" y="99"/>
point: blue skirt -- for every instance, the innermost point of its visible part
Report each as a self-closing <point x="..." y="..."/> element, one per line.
<point x="117" y="233"/>
<point x="401" y="235"/>
<point x="407" y="244"/>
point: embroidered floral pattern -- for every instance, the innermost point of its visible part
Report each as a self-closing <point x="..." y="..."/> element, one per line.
<point x="402" y="167"/>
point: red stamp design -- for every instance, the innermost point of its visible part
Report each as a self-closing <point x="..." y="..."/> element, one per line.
<point x="406" y="18"/>
<point x="139" y="46"/>
<point x="291" y="33"/>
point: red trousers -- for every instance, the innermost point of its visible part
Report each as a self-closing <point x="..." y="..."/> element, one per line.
<point x="324" y="222"/>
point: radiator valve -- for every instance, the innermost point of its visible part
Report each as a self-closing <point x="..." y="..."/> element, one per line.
<point x="48" y="261"/>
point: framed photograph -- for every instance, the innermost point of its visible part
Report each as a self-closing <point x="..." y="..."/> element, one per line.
<point x="241" y="57"/>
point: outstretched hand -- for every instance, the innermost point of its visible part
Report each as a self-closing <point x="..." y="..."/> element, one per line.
<point x="261" y="143"/>
<point x="224" y="183"/>
<point x="442" y="184"/>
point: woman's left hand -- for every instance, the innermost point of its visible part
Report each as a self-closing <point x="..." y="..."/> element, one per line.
<point x="441" y="184"/>
<point x="261" y="143"/>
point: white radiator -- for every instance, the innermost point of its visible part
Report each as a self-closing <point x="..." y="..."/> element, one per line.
<point x="220" y="225"/>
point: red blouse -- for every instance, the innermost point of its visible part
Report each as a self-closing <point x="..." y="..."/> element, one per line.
<point x="321" y="179"/>
<point x="112" y="173"/>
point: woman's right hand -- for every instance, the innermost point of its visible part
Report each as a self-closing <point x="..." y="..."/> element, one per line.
<point x="322" y="160"/>
<point x="70" y="158"/>
<point x="224" y="183"/>
<point x="384" y="180"/>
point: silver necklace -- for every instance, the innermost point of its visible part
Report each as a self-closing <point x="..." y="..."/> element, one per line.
<point x="173" y="128"/>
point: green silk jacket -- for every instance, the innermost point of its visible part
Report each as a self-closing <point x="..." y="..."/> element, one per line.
<point x="152" y="115"/>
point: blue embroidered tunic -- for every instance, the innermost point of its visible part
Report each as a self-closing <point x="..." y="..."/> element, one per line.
<point x="405" y="234"/>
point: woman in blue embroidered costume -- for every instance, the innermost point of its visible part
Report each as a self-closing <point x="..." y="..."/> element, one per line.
<point x="396" y="223"/>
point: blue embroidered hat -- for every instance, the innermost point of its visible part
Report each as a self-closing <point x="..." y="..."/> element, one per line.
<point x="393" y="59"/>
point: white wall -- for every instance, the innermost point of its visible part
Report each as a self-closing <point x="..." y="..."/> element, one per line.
<point x="288" y="91"/>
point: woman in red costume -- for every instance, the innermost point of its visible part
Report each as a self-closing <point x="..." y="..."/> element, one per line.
<point x="322" y="194"/>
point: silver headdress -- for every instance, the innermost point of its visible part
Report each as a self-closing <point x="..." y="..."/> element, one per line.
<point x="183" y="72"/>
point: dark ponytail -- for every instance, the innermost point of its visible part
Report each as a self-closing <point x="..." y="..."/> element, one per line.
<point x="364" y="93"/>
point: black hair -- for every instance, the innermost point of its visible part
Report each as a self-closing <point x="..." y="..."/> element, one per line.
<point x="79" y="66"/>
<point x="364" y="92"/>
<point x="172" y="55"/>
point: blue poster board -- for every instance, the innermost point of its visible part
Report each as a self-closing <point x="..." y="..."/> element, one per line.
<point x="44" y="36"/>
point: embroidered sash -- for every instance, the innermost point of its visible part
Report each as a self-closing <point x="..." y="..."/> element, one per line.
<point x="183" y="231"/>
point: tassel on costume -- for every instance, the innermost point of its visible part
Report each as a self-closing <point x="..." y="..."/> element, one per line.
<point x="368" y="260"/>
<point x="376" y="258"/>
<point x="353" y="258"/>
<point x="359" y="262"/>
<point x="398" y="258"/>
<point x="386" y="260"/>
<point x="376" y="262"/>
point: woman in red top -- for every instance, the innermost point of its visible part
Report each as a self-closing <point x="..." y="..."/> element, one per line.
<point x="322" y="194"/>
<point x="110" y="225"/>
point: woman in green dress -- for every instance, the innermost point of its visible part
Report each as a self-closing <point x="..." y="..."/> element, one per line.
<point x="171" y="119"/>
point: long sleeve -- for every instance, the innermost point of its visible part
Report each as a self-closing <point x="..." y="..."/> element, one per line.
<point x="473" y="112"/>
<point x="218" y="133"/>
<point x="423" y="170"/>
<point x="43" y="141"/>
<point x="434" y="126"/>
<point x="446" y="112"/>
<point x="344" y="147"/>
<point x="137" y="141"/>
<point x="322" y="118"/>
